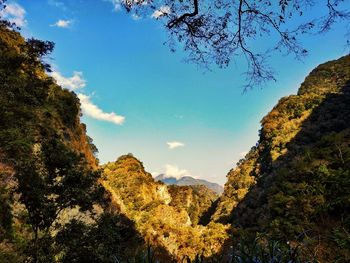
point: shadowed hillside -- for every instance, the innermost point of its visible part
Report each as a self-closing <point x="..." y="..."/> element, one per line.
<point x="166" y="216"/>
<point x="195" y="199"/>
<point x="295" y="184"/>
<point x="52" y="206"/>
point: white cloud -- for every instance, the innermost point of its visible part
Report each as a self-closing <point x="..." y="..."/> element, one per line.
<point x="155" y="173"/>
<point x="63" y="23"/>
<point x="73" y="83"/>
<point x="88" y="107"/>
<point x="14" y="13"/>
<point x="93" y="111"/>
<point x="174" y="171"/>
<point x="162" y="11"/>
<point x="174" y="145"/>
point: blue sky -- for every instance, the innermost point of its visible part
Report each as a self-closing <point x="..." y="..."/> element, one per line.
<point x="140" y="98"/>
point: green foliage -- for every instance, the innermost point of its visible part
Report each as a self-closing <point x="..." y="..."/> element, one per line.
<point x="238" y="184"/>
<point x="111" y="239"/>
<point x="299" y="170"/>
<point x="166" y="216"/>
<point x="260" y="249"/>
<point x="5" y="209"/>
<point x="195" y="199"/>
<point x="56" y="178"/>
<point x="46" y="164"/>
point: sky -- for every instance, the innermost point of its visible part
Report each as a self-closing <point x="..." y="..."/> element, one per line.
<point x="138" y="97"/>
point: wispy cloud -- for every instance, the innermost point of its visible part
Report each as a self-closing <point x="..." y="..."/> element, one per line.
<point x="174" y="145"/>
<point x="74" y="82"/>
<point x="58" y="4"/>
<point x="77" y="82"/>
<point x="175" y="171"/>
<point x="93" y="111"/>
<point x="63" y="23"/>
<point x="162" y="11"/>
<point x="15" y="14"/>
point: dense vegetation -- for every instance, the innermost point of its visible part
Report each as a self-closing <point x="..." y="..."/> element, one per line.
<point x="166" y="216"/>
<point x="288" y="200"/>
<point x="195" y="199"/>
<point x="51" y="201"/>
<point x="294" y="185"/>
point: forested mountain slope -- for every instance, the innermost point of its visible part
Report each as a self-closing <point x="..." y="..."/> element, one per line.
<point x="294" y="185"/>
<point x="53" y="206"/>
<point x="288" y="200"/>
<point x="195" y="199"/>
<point x="165" y="216"/>
<point x="50" y="195"/>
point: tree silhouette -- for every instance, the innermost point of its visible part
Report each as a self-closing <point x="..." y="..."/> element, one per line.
<point x="219" y="31"/>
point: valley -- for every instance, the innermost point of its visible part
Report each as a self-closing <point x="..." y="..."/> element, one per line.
<point x="287" y="200"/>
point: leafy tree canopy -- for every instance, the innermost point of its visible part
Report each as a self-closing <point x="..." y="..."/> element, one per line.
<point x="219" y="31"/>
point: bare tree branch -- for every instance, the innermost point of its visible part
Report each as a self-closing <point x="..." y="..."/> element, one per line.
<point x="218" y="31"/>
<point x="182" y="18"/>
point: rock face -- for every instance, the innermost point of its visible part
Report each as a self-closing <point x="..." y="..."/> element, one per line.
<point x="166" y="216"/>
<point x="136" y="188"/>
<point x="196" y="200"/>
<point x="297" y="178"/>
<point x="188" y="180"/>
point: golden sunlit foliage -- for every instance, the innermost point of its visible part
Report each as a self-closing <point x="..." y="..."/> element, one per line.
<point x="50" y="195"/>
<point x="166" y="216"/>
<point x="294" y="185"/>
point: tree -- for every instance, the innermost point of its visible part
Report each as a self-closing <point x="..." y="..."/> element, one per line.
<point x="54" y="180"/>
<point x="45" y="178"/>
<point x="218" y="31"/>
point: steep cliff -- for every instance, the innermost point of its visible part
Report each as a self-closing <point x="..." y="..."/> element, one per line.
<point x="195" y="199"/>
<point x="166" y="216"/>
<point x="50" y="195"/>
<point x="295" y="184"/>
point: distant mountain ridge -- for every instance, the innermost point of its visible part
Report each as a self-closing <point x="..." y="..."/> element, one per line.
<point x="188" y="180"/>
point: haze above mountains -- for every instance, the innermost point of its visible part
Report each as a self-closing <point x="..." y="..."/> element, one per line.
<point x="188" y="180"/>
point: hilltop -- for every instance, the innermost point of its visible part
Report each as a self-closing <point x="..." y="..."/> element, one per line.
<point x="188" y="180"/>
<point x="166" y="216"/>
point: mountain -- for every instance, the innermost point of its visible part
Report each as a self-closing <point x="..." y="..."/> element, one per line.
<point x="195" y="199"/>
<point x="188" y="180"/>
<point x="286" y="201"/>
<point x="166" y="216"/>
<point x="294" y="185"/>
<point x="50" y="195"/>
